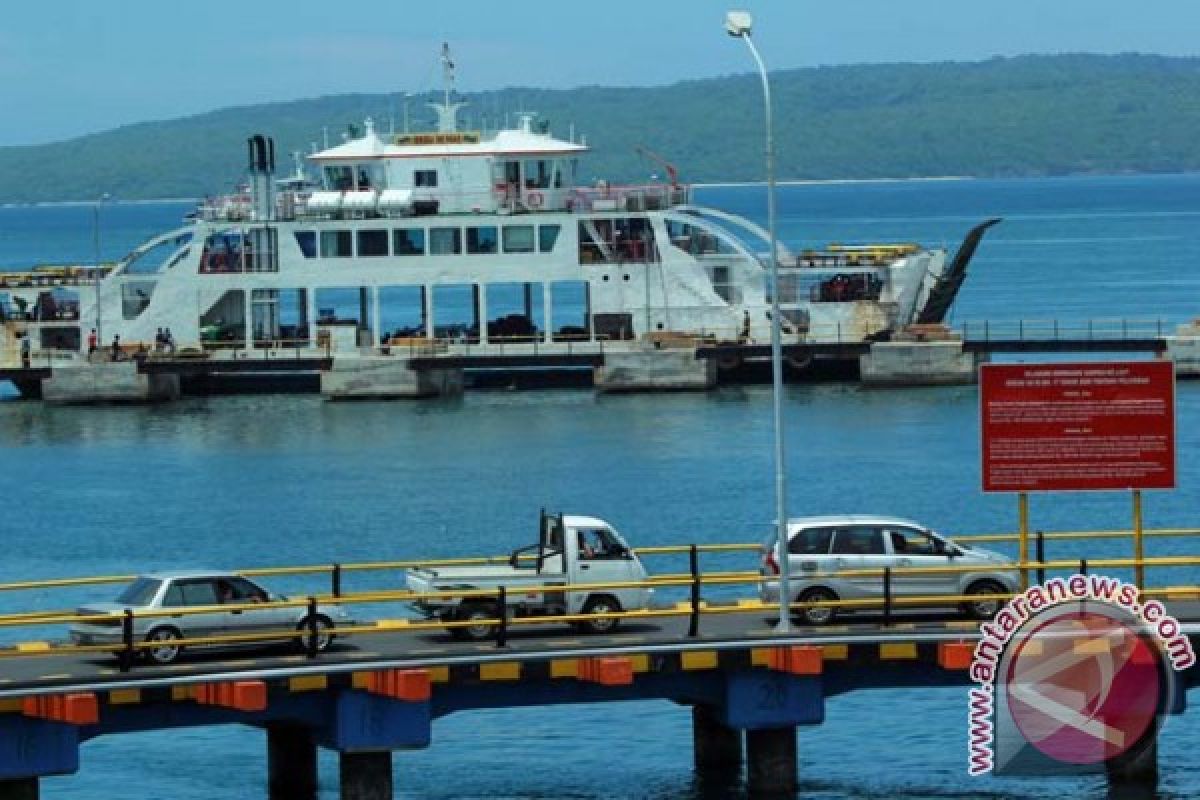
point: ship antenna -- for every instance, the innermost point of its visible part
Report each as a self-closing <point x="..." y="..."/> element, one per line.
<point x="447" y="112"/>
<point x="447" y="72"/>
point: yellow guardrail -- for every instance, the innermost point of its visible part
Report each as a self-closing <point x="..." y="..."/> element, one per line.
<point x="492" y="598"/>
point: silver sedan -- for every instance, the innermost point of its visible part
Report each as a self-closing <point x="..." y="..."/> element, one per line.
<point x="200" y="589"/>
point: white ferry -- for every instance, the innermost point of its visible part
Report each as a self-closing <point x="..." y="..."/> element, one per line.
<point x="464" y="238"/>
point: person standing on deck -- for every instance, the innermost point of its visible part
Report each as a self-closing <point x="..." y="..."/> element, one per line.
<point x="92" y="342"/>
<point x="26" y="350"/>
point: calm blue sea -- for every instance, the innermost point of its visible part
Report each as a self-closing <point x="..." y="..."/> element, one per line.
<point x="249" y="481"/>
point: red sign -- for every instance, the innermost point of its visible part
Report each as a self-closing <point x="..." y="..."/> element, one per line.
<point x="1091" y="425"/>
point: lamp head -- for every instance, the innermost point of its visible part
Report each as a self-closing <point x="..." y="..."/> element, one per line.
<point x="738" y="23"/>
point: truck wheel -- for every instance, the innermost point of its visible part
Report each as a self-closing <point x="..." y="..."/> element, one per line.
<point x="480" y="630"/>
<point x="601" y="604"/>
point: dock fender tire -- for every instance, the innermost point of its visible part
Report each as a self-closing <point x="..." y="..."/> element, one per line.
<point x="164" y="653"/>
<point x="984" y="609"/>
<point x="324" y="632"/>
<point x="480" y="632"/>
<point x="800" y="362"/>
<point x="601" y="604"/>
<point x="821" y="615"/>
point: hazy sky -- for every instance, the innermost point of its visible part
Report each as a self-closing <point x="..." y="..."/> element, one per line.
<point x="76" y="66"/>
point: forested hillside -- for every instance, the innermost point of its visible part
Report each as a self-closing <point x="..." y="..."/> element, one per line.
<point x="1034" y="115"/>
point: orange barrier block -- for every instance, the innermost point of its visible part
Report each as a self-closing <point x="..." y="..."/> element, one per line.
<point x="610" y="671"/>
<point x="80" y="708"/>
<point x="955" y="655"/>
<point x="796" y="660"/>
<point x="238" y="695"/>
<point x="409" y="685"/>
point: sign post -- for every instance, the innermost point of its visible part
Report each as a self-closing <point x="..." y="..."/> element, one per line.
<point x="1087" y="426"/>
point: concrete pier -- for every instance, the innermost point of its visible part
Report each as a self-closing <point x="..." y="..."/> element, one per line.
<point x="291" y="762"/>
<point x="655" y="370"/>
<point x="1134" y="775"/>
<point x="916" y="363"/>
<point x="716" y="746"/>
<point x="108" y="382"/>
<point x="771" y="762"/>
<point x="386" y="378"/>
<point x="366" y="776"/>
<point x="1184" y="349"/>
<point x="20" y="789"/>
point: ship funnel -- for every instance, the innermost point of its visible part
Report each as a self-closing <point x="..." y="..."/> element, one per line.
<point x="262" y="171"/>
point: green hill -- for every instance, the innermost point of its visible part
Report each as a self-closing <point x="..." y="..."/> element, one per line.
<point x="1032" y="115"/>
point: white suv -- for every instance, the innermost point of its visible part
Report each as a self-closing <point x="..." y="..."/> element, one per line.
<point x="819" y="548"/>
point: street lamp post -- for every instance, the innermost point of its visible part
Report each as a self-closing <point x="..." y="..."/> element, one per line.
<point x="738" y="25"/>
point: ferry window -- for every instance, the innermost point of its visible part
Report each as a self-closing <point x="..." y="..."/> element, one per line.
<point x="537" y="174"/>
<point x="373" y="243"/>
<point x="518" y="238"/>
<point x="425" y="178"/>
<point x="445" y="241"/>
<point x="339" y="178"/>
<point x="547" y="236"/>
<point x="135" y="296"/>
<point x="307" y="242"/>
<point x="481" y="240"/>
<point x="336" y="244"/>
<point x="408" y="241"/>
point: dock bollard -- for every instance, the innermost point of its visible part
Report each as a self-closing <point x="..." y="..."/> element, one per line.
<point x="311" y="645"/>
<point x="694" y="618"/>
<point x="128" y="654"/>
<point x="502" y="613"/>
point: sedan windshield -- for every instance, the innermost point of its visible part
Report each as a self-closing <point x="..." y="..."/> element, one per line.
<point x="139" y="593"/>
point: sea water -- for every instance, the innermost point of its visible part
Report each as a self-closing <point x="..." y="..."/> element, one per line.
<point x="272" y="480"/>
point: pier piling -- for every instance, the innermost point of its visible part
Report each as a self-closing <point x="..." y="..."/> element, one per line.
<point x="366" y="776"/>
<point x="291" y="762"/>
<point x="1134" y="775"/>
<point x="717" y="747"/>
<point x="771" y="762"/>
<point x="19" y="789"/>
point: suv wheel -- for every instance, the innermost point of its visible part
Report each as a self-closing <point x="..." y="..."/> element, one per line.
<point x="818" y="615"/>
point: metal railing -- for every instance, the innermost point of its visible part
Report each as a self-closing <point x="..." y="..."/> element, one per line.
<point x="1102" y="329"/>
<point x="690" y="582"/>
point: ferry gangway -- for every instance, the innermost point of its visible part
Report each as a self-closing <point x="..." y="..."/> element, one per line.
<point x="711" y="644"/>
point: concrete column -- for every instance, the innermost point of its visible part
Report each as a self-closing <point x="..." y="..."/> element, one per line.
<point x="771" y="761"/>
<point x="376" y="317"/>
<point x="291" y="763"/>
<point x="310" y="309"/>
<point x="716" y="746"/>
<point x="247" y="317"/>
<point x="19" y="789"/>
<point x="427" y="304"/>
<point x="366" y="776"/>
<point x="481" y="313"/>
<point x="1134" y="776"/>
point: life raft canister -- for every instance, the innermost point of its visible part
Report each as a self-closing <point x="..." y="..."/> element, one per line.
<point x="534" y="199"/>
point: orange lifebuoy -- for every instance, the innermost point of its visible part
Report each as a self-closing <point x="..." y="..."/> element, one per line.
<point x="534" y="199"/>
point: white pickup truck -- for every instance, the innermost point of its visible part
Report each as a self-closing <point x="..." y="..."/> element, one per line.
<point x="570" y="551"/>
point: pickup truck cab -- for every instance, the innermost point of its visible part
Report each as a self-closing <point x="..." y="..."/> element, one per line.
<point x="571" y="551"/>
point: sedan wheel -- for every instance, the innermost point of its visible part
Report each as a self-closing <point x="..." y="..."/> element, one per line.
<point x="166" y="645"/>
<point x="324" y="633"/>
